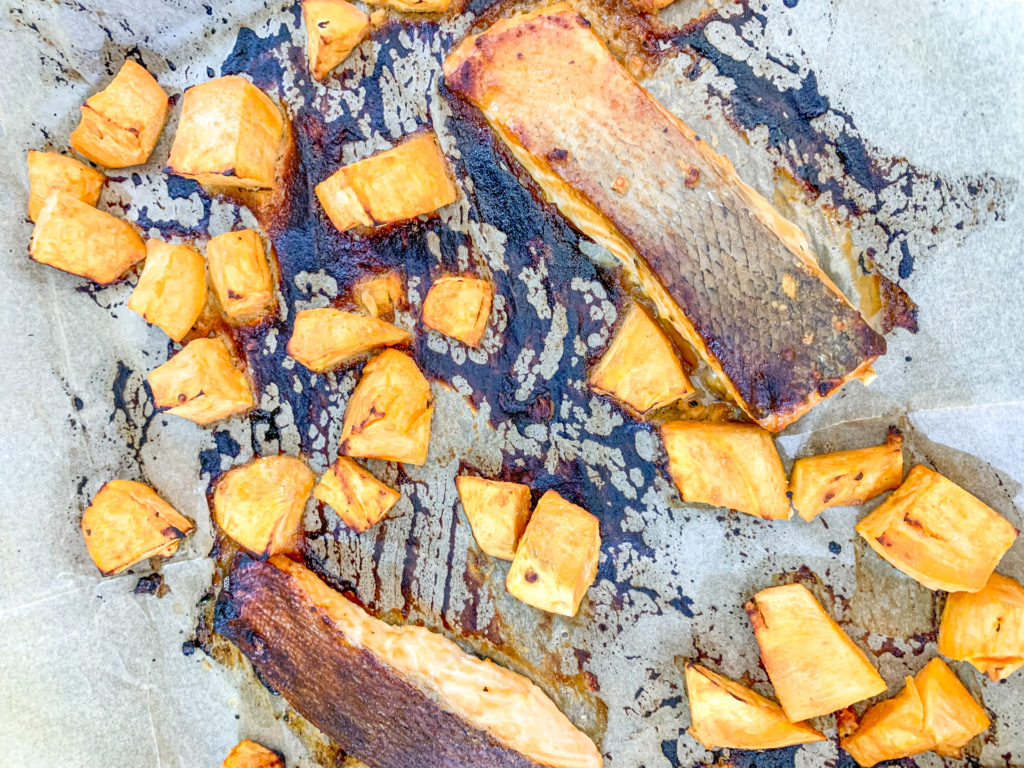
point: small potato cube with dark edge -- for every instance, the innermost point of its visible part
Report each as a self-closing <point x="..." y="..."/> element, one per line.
<point x="260" y="504"/>
<point x="121" y="124"/>
<point x="249" y="754"/>
<point x="378" y="296"/>
<point x="333" y="29"/>
<point x="359" y="498"/>
<point x="397" y="184"/>
<point x="323" y="339"/>
<point x="230" y="135"/>
<point x="49" y="172"/>
<point x="240" y="275"/>
<point x="986" y="628"/>
<point x="202" y="383"/>
<point x="459" y="307"/>
<point x="85" y="241"/>
<point x="556" y="560"/>
<point x="171" y="292"/>
<point x="497" y="512"/>
<point x="128" y="522"/>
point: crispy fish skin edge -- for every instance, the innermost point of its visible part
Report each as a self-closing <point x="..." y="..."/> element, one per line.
<point x="354" y="696"/>
<point x="466" y="67"/>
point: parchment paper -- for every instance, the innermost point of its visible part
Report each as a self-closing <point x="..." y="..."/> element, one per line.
<point x="92" y="674"/>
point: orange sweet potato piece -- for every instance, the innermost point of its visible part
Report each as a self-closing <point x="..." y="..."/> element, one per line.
<point x="171" y="292"/>
<point x="240" y="275"/>
<point x="77" y="238"/>
<point x="128" y="522"/>
<point x="230" y="134"/>
<point x="201" y="383"/>
<point x="725" y="714"/>
<point x="728" y="465"/>
<point x="121" y="124"/>
<point x="937" y="533"/>
<point x="640" y="368"/>
<point x="359" y="498"/>
<point x="556" y="560"/>
<point x="459" y="307"/>
<point x="845" y="478"/>
<point x="323" y="339"/>
<point x="986" y="628"/>
<point x="498" y="513"/>
<point x="260" y="504"/>
<point x="333" y="29"/>
<point x="813" y="665"/>
<point x="415" y="6"/>
<point x="388" y="415"/>
<point x="249" y="754"/>
<point x="378" y="296"/>
<point x="49" y="172"/>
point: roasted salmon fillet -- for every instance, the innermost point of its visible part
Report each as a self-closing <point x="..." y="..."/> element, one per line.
<point x="729" y="274"/>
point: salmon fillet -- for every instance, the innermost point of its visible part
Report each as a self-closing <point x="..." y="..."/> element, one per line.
<point x="732" y="277"/>
<point x="392" y="697"/>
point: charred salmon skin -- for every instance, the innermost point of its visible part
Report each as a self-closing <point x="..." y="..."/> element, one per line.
<point x="726" y="271"/>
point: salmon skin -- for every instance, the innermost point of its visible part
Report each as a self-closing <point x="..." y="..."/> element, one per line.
<point x="393" y="697"/>
<point x="726" y="271"/>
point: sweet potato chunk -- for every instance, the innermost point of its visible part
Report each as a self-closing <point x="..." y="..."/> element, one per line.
<point x="359" y="498"/>
<point x="497" y="512"/>
<point x="986" y="628"/>
<point x="77" y="238"/>
<point x="249" y="754"/>
<point x="845" y="478"/>
<point x="724" y="713"/>
<point x="333" y="29"/>
<point x="323" y="339"/>
<point x="121" y="124"/>
<point x="728" y="465"/>
<point x="49" y="172"/>
<point x="128" y="522"/>
<point x="640" y="369"/>
<point x="378" y="296"/>
<point x="459" y="307"/>
<point x="171" y="292"/>
<point x="814" y="667"/>
<point x="556" y="560"/>
<point x="230" y="135"/>
<point x="259" y="505"/>
<point x="933" y="712"/>
<point x="240" y="274"/>
<point x="388" y="415"/>
<point x="400" y="183"/>
<point x="415" y="6"/>
<point x="937" y="533"/>
<point x="201" y="383"/>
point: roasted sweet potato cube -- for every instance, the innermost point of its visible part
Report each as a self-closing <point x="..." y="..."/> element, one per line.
<point x="230" y="135"/>
<point x="986" y="628"/>
<point x="359" y="498"/>
<point x="728" y="465"/>
<point x="128" y="522"/>
<point x="259" y="504"/>
<point x="415" y="6"/>
<point x="933" y="712"/>
<point x="497" y="512"/>
<point x="171" y="292"/>
<point x="240" y="275"/>
<point x="459" y="307"/>
<point x="640" y="368"/>
<point x="556" y="560"/>
<point x="49" y="172"/>
<point x="814" y="667"/>
<point x="333" y="29"/>
<point x="400" y="183"/>
<point x="845" y="478"/>
<point x="77" y="238"/>
<point x="725" y="714"/>
<point x="323" y="339"/>
<point x="249" y="754"/>
<point x="201" y="383"/>
<point x="937" y="533"/>
<point x="388" y="415"/>
<point x="121" y="124"/>
<point x="378" y="296"/>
